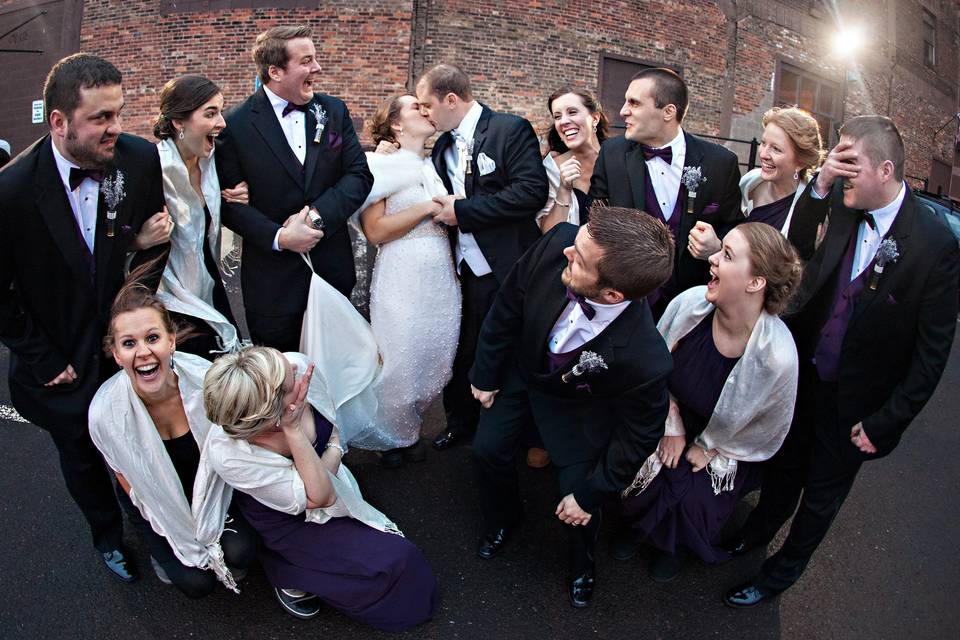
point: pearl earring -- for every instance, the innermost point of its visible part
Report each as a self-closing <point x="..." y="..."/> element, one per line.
<point x="401" y="130"/>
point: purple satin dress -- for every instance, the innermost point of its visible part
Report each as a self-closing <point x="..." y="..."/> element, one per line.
<point x="379" y="578"/>
<point x="679" y="507"/>
<point x="773" y="213"/>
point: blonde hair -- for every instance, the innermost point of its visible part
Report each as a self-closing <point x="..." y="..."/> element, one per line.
<point x="243" y="391"/>
<point x="775" y="260"/>
<point x="804" y="133"/>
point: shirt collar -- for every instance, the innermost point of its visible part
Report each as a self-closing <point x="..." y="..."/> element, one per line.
<point x="276" y="101"/>
<point x="607" y="313"/>
<point x="63" y="166"/>
<point x="468" y="125"/>
<point x="884" y="216"/>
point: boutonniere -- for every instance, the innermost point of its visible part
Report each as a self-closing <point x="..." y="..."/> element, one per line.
<point x="113" y="194"/>
<point x="692" y="178"/>
<point x="588" y="363"/>
<point x="469" y="170"/>
<point x="321" y="117"/>
<point x="887" y="252"/>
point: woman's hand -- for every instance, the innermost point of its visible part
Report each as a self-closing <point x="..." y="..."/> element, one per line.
<point x="293" y="411"/>
<point x="386" y="147"/>
<point x="703" y="241"/>
<point x="698" y="458"/>
<point x="156" y="230"/>
<point x="237" y="195"/>
<point x="570" y="172"/>
<point x="670" y="449"/>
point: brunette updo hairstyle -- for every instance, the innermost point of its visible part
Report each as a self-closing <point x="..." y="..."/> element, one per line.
<point x="804" y="134"/>
<point x="774" y="259"/>
<point x="179" y="98"/>
<point x="385" y="117"/>
<point x="590" y="102"/>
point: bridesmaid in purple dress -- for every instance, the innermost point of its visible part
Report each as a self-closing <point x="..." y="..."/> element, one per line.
<point x="732" y="392"/>
<point x="321" y="540"/>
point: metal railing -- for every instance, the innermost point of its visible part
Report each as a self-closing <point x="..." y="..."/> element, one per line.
<point x="753" y="144"/>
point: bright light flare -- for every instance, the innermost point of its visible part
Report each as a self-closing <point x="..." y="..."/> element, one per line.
<point x="848" y="40"/>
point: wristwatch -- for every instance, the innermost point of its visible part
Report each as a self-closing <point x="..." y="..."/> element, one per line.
<point x="315" y="218"/>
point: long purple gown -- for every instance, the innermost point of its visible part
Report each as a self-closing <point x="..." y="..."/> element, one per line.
<point x="679" y="507"/>
<point x="379" y="578"/>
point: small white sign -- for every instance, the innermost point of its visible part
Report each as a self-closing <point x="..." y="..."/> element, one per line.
<point x="37" y="116"/>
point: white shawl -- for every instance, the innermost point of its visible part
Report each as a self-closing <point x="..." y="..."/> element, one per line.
<point x="273" y="480"/>
<point x="125" y="434"/>
<point x="187" y="286"/>
<point x="750" y="180"/>
<point x="755" y="407"/>
<point x="393" y="172"/>
<point x="553" y="184"/>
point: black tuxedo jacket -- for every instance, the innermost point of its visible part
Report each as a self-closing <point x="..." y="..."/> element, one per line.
<point x="899" y="337"/>
<point x="615" y="416"/>
<point x="618" y="179"/>
<point x="55" y="304"/>
<point x="335" y="179"/>
<point x="500" y="207"/>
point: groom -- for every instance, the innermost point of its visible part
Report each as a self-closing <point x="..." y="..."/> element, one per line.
<point x="490" y="163"/>
<point x="576" y="296"/>
<point x="300" y="156"/>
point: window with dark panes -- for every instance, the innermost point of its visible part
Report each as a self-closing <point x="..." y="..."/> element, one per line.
<point x="819" y="96"/>
<point x="929" y="39"/>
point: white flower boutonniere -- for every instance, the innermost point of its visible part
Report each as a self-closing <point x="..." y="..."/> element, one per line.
<point x="886" y="252"/>
<point x="588" y="363"/>
<point x="321" y="117"/>
<point x="692" y="178"/>
<point x="113" y="194"/>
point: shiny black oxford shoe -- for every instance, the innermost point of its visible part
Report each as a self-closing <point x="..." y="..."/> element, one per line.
<point x="746" y="595"/>
<point x="492" y="542"/>
<point x="581" y="591"/>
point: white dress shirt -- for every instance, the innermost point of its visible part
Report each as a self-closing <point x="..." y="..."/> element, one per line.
<point x="572" y="329"/>
<point x="294" y="126"/>
<point x="457" y="156"/>
<point x="666" y="177"/>
<point x="868" y="240"/>
<point x="83" y="199"/>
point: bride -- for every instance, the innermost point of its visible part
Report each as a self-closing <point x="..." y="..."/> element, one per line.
<point x="414" y="294"/>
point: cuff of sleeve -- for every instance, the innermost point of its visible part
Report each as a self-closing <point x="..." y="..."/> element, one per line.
<point x="588" y="497"/>
<point x="299" y="493"/>
<point x="813" y="191"/>
<point x="49" y="367"/>
<point x="276" y="240"/>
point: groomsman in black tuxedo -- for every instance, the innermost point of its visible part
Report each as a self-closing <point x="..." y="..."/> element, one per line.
<point x="570" y="344"/>
<point x="306" y="174"/>
<point x="644" y="170"/>
<point x="490" y="163"/>
<point x="71" y="206"/>
<point x="877" y="312"/>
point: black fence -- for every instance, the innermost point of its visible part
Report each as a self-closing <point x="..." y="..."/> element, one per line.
<point x="752" y="145"/>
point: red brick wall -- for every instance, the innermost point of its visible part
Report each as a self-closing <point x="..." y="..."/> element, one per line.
<point x="363" y="46"/>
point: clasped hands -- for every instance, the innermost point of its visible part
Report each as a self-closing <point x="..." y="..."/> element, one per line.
<point x="671" y="448"/>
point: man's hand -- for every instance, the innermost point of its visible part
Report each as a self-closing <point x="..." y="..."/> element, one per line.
<point x="156" y="230"/>
<point x="386" y="147"/>
<point x="670" y="449"/>
<point x="66" y="376"/>
<point x="842" y="162"/>
<point x="697" y="458"/>
<point x="570" y="512"/>
<point x="703" y="241"/>
<point x="485" y="398"/>
<point x="860" y="440"/>
<point x="298" y="233"/>
<point x="238" y="195"/>
<point x="447" y="215"/>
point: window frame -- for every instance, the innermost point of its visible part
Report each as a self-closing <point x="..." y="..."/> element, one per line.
<point x="839" y="99"/>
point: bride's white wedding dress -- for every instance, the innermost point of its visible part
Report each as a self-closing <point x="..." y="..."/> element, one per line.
<point x="414" y="300"/>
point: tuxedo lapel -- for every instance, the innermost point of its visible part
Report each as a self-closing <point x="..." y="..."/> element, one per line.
<point x="313" y="149"/>
<point x="693" y="158"/>
<point x="264" y="120"/>
<point x="636" y="173"/>
<point x="440" y="161"/>
<point x="553" y="302"/>
<point x="57" y="214"/>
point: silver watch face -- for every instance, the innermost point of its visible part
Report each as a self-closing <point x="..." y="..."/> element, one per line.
<point x="315" y="219"/>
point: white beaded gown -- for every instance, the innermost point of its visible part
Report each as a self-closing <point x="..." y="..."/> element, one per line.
<point x="414" y="301"/>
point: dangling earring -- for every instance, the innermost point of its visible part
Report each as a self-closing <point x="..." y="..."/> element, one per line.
<point x="401" y="131"/>
<point x="594" y="127"/>
<point x="180" y="135"/>
<point x="796" y="174"/>
<point x="172" y="366"/>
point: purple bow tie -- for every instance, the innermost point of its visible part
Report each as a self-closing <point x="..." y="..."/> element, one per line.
<point x="666" y="153"/>
<point x="587" y="308"/>
<point x="295" y="107"/>
<point x="867" y="217"/>
<point x="77" y="176"/>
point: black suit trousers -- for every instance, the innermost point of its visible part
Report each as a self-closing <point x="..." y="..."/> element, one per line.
<point x="834" y="464"/>
<point x="500" y="432"/>
<point x="463" y="412"/>
<point x="90" y="485"/>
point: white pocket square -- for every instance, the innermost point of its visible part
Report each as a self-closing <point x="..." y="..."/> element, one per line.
<point x="485" y="164"/>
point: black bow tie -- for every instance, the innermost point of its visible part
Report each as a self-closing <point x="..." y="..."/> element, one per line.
<point x="295" y="107"/>
<point x="665" y="153"/>
<point x="867" y="217"/>
<point x="587" y="308"/>
<point x="78" y="175"/>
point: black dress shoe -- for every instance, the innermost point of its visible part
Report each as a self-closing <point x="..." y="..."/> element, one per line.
<point x="415" y="452"/>
<point x="581" y="591"/>
<point x="746" y="595"/>
<point x="492" y="542"/>
<point x="445" y="440"/>
<point x="297" y="603"/>
<point x="667" y="566"/>
<point x="119" y="565"/>
<point x="392" y="459"/>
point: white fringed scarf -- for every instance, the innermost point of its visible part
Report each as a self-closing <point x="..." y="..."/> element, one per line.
<point x="755" y="407"/>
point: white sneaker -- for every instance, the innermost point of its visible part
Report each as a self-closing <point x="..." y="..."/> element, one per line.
<point x="298" y="603"/>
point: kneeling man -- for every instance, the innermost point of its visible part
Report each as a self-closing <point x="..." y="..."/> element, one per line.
<point x="570" y="344"/>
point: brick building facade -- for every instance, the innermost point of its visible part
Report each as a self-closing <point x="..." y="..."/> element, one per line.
<point x="739" y="56"/>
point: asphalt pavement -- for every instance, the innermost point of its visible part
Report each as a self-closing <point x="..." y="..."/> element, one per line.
<point x="888" y="569"/>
